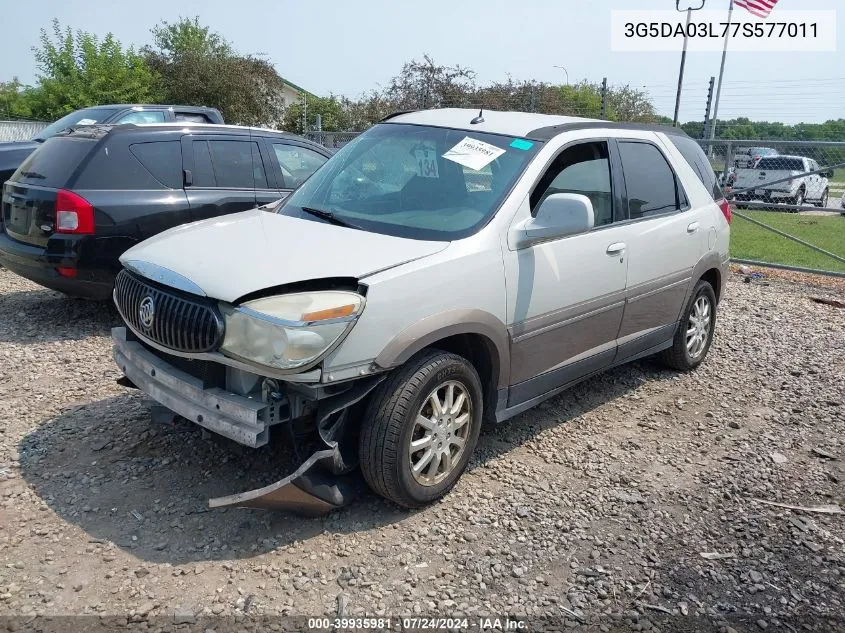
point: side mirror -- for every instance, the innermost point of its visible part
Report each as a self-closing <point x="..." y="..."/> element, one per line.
<point x="558" y="215"/>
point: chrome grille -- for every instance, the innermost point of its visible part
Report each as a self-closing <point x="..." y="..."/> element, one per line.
<point x="178" y="323"/>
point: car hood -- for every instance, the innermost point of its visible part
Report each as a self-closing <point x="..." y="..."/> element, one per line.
<point x="234" y="255"/>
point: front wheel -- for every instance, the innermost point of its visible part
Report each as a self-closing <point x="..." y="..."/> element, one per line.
<point x="420" y="428"/>
<point x="695" y="331"/>
<point x="798" y="199"/>
<point x="822" y="203"/>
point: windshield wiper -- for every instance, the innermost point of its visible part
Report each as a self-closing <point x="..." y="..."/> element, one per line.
<point x="330" y="217"/>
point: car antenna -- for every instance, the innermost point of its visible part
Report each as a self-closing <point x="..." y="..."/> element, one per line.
<point x="479" y="118"/>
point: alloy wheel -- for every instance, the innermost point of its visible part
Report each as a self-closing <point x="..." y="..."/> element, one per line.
<point x="698" y="327"/>
<point x="441" y="429"/>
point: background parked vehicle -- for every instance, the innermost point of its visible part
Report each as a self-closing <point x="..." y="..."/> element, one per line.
<point x="747" y="157"/>
<point x="87" y="195"/>
<point x="13" y="154"/>
<point x="786" y="179"/>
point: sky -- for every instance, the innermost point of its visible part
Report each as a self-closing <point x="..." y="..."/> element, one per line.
<point x="351" y="47"/>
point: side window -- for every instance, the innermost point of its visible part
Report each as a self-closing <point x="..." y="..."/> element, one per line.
<point x="583" y="169"/>
<point x="237" y="164"/>
<point x="142" y="116"/>
<point x="163" y="159"/>
<point x="203" y="171"/>
<point x="650" y="181"/>
<point x="297" y="163"/>
<point x="191" y="117"/>
<point x="697" y="159"/>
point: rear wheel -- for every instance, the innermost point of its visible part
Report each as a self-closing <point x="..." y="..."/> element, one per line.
<point x="420" y="428"/>
<point x="695" y="331"/>
<point x="824" y="199"/>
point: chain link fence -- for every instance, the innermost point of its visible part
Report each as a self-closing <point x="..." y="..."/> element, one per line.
<point x="780" y="175"/>
<point x="789" y="199"/>
<point x="331" y="140"/>
<point x="20" y="130"/>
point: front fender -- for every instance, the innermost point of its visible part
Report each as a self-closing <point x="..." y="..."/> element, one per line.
<point x="436" y="327"/>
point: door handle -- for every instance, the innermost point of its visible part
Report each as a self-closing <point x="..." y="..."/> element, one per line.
<point x="616" y="248"/>
<point x="692" y="227"/>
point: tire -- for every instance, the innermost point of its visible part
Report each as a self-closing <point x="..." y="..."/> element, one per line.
<point x="681" y="356"/>
<point x="822" y="203"/>
<point x="798" y="199"/>
<point x="391" y="423"/>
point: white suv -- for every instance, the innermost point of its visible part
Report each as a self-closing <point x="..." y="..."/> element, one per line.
<point x="447" y="267"/>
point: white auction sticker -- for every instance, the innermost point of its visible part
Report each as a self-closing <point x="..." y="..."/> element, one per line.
<point x="473" y="153"/>
<point x="86" y="122"/>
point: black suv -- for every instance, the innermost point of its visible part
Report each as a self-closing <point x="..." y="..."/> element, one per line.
<point x="13" y="154"/>
<point x="85" y="196"/>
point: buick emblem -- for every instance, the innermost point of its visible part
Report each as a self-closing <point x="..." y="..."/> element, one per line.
<point x="147" y="311"/>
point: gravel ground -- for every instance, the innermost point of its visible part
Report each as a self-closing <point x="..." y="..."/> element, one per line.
<point x="631" y="502"/>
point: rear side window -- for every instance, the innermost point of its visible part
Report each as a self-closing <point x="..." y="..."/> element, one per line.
<point x="142" y="116"/>
<point x="192" y="117"/>
<point x="650" y="181"/>
<point x="163" y="159"/>
<point x="237" y="165"/>
<point x="52" y="164"/>
<point x="774" y="163"/>
<point x="697" y="159"/>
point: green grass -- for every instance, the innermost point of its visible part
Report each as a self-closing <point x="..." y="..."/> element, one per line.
<point x="749" y="241"/>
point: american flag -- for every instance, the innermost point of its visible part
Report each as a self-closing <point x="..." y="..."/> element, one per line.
<point x="760" y="8"/>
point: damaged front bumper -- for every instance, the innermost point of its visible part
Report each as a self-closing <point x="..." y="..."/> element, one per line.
<point x="312" y="489"/>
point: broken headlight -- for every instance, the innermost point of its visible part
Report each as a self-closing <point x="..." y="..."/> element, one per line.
<point x="289" y="331"/>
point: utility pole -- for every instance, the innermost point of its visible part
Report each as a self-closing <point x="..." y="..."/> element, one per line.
<point x="707" y="122"/>
<point x="304" y="113"/>
<point x="721" y="75"/>
<point x="604" y="98"/>
<point x="683" y="57"/>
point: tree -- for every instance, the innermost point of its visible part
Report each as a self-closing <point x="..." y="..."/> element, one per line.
<point x="625" y="103"/>
<point x="425" y="84"/>
<point x="78" y="70"/>
<point x="196" y="66"/>
<point x="15" y="100"/>
<point x="188" y="37"/>
<point x="333" y="114"/>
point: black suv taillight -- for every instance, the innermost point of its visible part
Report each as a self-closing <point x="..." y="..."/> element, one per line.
<point x="74" y="214"/>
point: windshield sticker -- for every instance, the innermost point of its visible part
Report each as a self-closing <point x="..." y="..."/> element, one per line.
<point x="86" y="122"/>
<point x="521" y="143"/>
<point x="473" y="153"/>
<point x="426" y="158"/>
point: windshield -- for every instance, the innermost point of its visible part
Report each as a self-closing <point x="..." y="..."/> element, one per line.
<point x="413" y="181"/>
<point x="87" y="116"/>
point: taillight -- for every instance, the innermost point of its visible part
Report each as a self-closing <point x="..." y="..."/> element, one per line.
<point x="74" y="214"/>
<point x="725" y="206"/>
